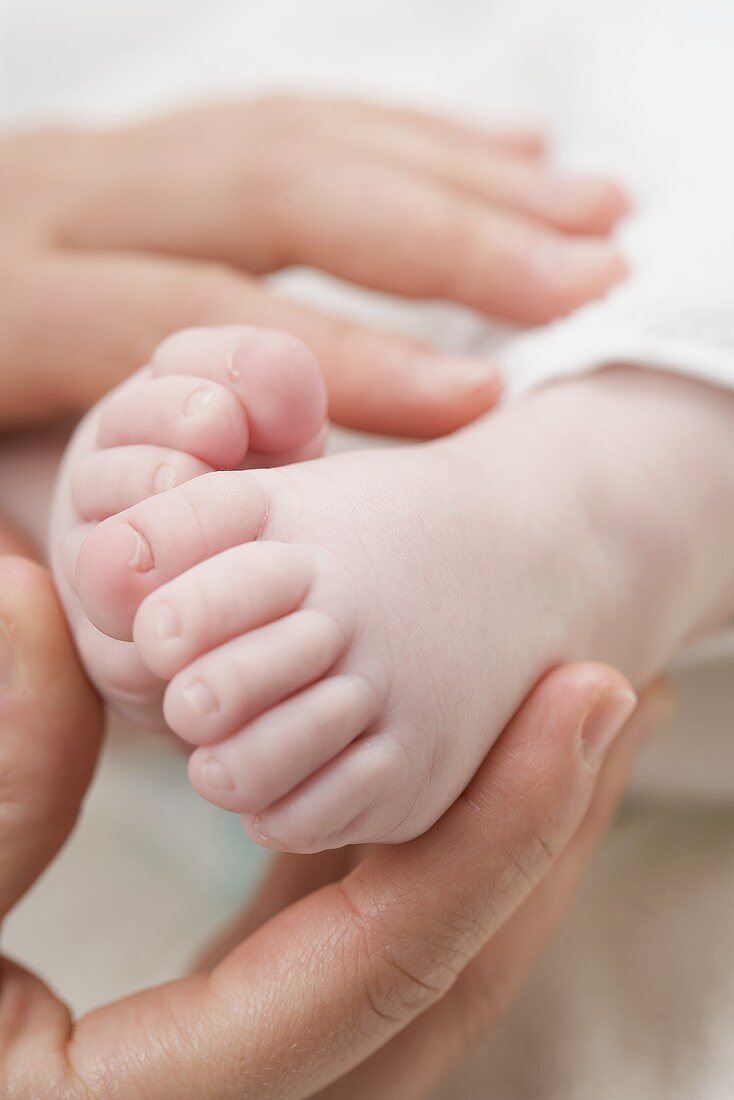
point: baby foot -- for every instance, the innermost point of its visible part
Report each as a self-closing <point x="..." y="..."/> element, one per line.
<point x="211" y="399"/>
<point x="342" y="639"/>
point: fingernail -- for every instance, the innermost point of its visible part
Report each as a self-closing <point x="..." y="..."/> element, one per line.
<point x="198" y="402"/>
<point x="166" y="622"/>
<point x="602" y="725"/>
<point x="7" y="656"/>
<point x="574" y="196"/>
<point x="585" y="258"/>
<point x="200" y="698"/>
<point x="215" y="775"/>
<point x="455" y="372"/>
<point x="141" y="557"/>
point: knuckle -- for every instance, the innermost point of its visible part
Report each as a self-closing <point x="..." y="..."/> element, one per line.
<point x="289" y="140"/>
<point x="344" y="341"/>
<point x="405" y="978"/>
<point x="538" y="852"/>
<point x="405" y="973"/>
<point x="214" y="292"/>
<point x="289" y="161"/>
<point x="456" y="245"/>
<point x="395" y="992"/>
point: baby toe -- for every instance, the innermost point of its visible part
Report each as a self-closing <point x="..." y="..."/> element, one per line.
<point x="120" y="676"/>
<point x="273" y="374"/>
<point x="221" y="598"/>
<point x="193" y="415"/>
<point x="110" y="481"/>
<point x="65" y="554"/>
<point x="361" y="797"/>
<point x="284" y="746"/>
<point x="223" y="690"/>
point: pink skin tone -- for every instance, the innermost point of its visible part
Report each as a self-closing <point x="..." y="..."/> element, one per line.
<point x="119" y="237"/>
<point x="343" y="640"/>
<point x="225" y="398"/>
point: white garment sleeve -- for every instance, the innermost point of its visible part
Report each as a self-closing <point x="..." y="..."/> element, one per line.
<point x="675" y="312"/>
<point x="642" y="92"/>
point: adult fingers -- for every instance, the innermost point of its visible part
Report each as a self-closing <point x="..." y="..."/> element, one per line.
<point x="417" y="1059"/>
<point x="360" y="217"/>
<point x="288" y="878"/>
<point x="11" y="542"/>
<point x="329" y="981"/>
<point x="416" y="238"/>
<point x="525" y="141"/>
<point x="105" y="314"/>
<point x="570" y="203"/>
<point x="471" y="160"/>
<point x="50" y="727"/>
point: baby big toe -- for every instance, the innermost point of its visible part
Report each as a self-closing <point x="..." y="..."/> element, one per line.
<point x="284" y="746"/>
<point x="127" y="557"/>
<point x="273" y="374"/>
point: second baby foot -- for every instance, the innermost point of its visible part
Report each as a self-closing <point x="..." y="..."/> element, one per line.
<point x="231" y="397"/>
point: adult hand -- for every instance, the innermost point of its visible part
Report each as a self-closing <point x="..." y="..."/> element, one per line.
<point x="110" y="241"/>
<point x="373" y="984"/>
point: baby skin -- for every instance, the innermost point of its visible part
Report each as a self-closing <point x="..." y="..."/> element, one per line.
<point x="342" y="639"/>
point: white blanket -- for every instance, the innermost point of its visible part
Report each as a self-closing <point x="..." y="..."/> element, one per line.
<point x="636" y="998"/>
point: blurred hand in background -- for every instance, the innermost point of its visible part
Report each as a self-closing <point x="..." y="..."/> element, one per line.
<point x="111" y="240"/>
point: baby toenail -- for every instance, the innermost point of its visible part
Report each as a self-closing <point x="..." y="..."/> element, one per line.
<point x="215" y="775"/>
<point x="167" y="624"/>
<point x="200" y="697"/>
<point x="164" y="479"/>
<point x="452" y="373"/>
<point x="198" y="403"/>
<point x="141" y="558"/>
<point x="232" y="373"/>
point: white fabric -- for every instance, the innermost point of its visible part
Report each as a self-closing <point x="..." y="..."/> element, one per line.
<point x="636" y="999"/>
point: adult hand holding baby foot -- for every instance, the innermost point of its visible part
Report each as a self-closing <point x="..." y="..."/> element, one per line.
<point x="407" y="991"/>
<point x="115" y="239"/>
